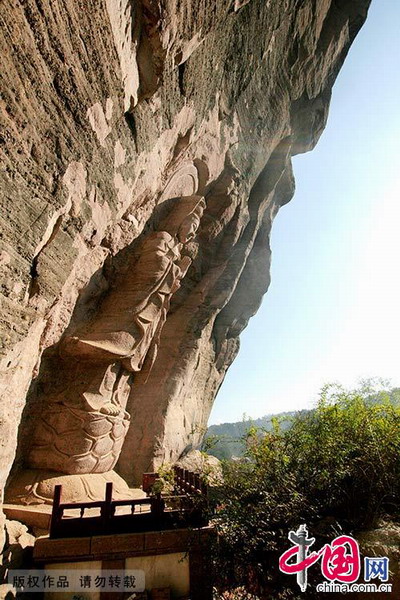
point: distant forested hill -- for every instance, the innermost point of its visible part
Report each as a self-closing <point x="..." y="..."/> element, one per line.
<point x="225" y="441"/>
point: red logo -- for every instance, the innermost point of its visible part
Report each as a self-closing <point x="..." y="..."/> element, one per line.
<point x="340" y="560"/>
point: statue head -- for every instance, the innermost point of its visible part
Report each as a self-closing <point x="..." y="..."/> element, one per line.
<point x="184" y="219"/>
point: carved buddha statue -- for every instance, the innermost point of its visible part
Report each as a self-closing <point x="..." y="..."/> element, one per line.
<point x="83" y="421"/>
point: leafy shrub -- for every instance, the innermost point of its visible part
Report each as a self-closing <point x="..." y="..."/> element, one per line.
<point x="336" y="468"/>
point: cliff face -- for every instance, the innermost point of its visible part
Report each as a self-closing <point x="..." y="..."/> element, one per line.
<point x="115" y="114"/>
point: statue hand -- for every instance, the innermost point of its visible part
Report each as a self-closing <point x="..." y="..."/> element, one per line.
<point x="110" y="409"/>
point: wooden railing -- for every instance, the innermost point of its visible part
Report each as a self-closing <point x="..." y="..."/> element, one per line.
<point x="186" y="507"/>
<point x="185" y="482"/>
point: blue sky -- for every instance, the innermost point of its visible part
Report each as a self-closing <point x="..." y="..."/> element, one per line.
<point x="332" y="310"/>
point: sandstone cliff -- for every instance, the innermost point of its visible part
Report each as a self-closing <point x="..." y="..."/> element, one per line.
<point x="111" y="112"/>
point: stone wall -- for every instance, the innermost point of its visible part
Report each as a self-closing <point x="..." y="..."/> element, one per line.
<point x="112" y="111"/>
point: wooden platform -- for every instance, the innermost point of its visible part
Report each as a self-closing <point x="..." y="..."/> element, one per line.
<point x="187" y="506"/>
<point x="120" y="552"/>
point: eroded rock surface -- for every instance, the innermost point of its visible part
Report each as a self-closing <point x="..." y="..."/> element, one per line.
<point x="18" y="549"/>
<point x="113" y="112"/>
<point x="384" y="541"/>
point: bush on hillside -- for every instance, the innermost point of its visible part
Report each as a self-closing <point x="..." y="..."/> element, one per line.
<point x="336" y="468"/>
